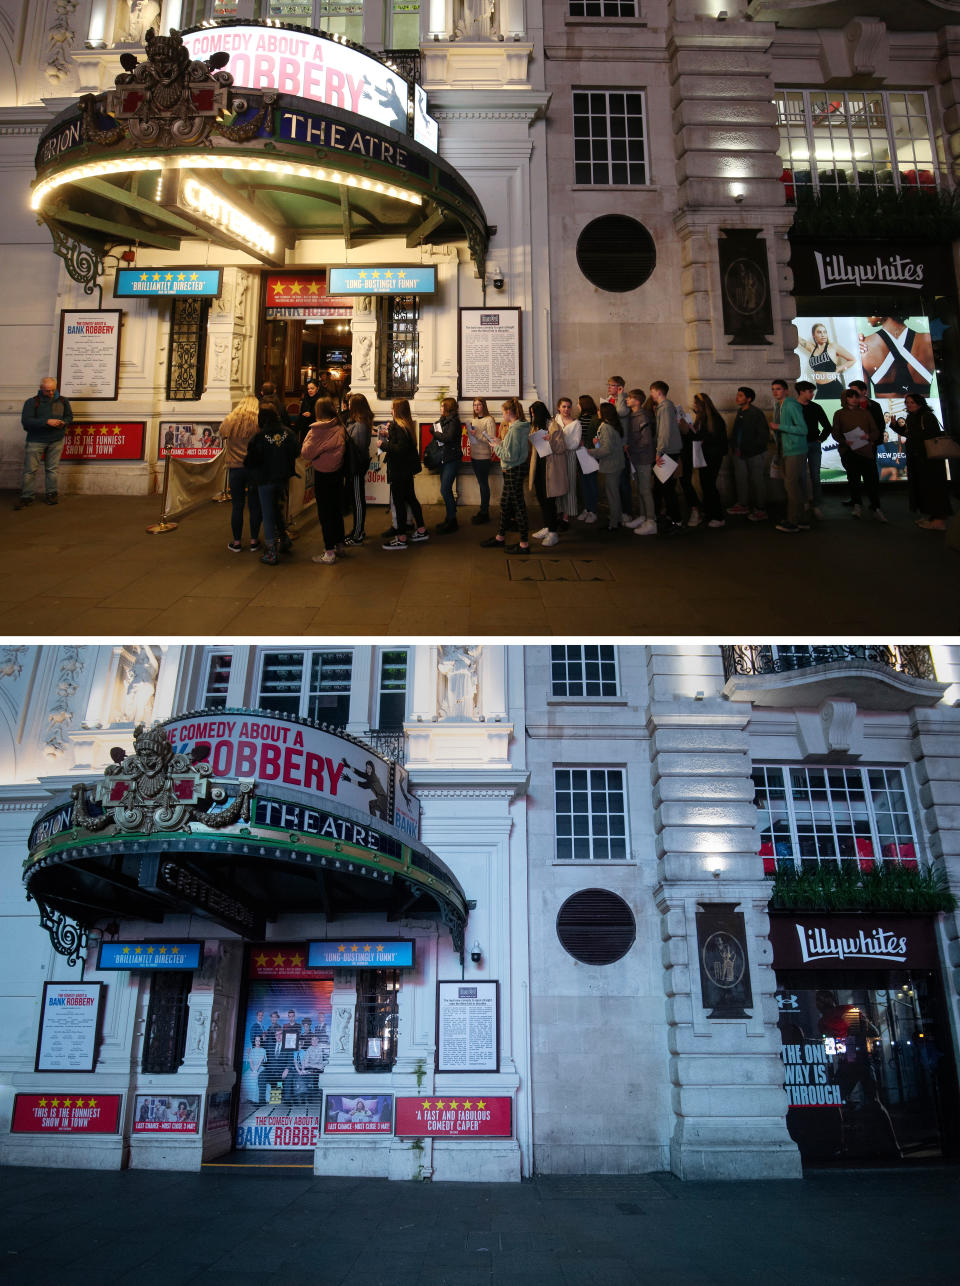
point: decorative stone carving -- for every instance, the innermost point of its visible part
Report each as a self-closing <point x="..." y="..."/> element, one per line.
<point x="137" y="684"/>
<point x="458" y="669"/>
<point x="60" y="715"/>
<point x="867" y="47"/>
<point x="134" y="19"/>
<point x="474" y="19"/>
<point x="221" y="353"/>
<point x="839" y="724"/>
<point x="344" y="1030"/>
<point x="10" y="667"/>
<point x="236" y="357"/>
<point x="156" y="789"/>
<point x="363" y="304"/>
<point x="363" y="352"/>
<point x="60" y="39"/>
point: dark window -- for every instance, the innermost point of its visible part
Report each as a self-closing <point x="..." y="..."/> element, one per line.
<point x="393" y="689"/>
<point x="608" y="137"/>
<point x="218" y="680"/>
<point x="398" y="359"/>
<point x="188" y="346"/>
<point x="591" y="814"/>
<point x="596" y="927"/>
<point x="616" y="253"/>
<point x="583" y="670"/>
<point x="603" y="8"/>
<point x="375" y="1040"/>
<point x="313" y="685"/>
<point x="165" y="1037"/>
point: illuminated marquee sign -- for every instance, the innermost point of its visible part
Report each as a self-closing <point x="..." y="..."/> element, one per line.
<point x="216" y="210"/>
<point x="313" y="67"/>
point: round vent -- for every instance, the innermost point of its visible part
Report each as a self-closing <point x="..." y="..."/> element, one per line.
<point x="596" y="927"/>
<point x="616" y="253"/>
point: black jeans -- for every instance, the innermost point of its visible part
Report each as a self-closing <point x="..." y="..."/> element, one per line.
<point x="243" y="493"/>
<point x="328" y="489"/>
<point x="861" y="469"/>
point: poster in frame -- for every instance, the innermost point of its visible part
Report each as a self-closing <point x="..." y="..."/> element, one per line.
<point x="69" y="1026"/>
<point x="468" y="1026"/>
<point x="88" y="358"/>
<point x="489" y="353"/>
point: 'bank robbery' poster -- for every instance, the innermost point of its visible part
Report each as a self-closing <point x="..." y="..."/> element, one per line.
<point x="286" y="1046"/>
<point x="891" y="350"/>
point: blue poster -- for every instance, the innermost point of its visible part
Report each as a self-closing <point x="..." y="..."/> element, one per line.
<point x="381" y="281"/>
<point x="156" y="956"/>
<point x="357" y="954"/>
<point x="165" y="282"/>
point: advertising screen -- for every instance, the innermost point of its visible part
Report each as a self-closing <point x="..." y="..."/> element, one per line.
<point x="892" y="354"/>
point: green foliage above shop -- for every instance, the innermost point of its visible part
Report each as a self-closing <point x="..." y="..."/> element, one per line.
<point x="843" y="886"/>
<point x="909" y="214"/>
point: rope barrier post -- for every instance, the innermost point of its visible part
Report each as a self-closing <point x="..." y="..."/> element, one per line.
<point x="158" y="528"/>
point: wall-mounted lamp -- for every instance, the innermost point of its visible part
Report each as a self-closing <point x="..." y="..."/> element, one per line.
<point x="715" y="866"/>
<point x="698" y="695"/>
<point x="738" y="193"/>
<point x="476" y="951"/>
<point x="721" y="15"/>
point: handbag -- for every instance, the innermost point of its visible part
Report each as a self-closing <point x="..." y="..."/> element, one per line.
<point x="942" y="447"/>
<point x="433" y="455"/>
<point x="699" y="459"/>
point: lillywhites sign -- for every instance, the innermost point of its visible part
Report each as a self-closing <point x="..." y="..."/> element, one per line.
<point x="842" y="269"/>
<point x="878" y="944"/>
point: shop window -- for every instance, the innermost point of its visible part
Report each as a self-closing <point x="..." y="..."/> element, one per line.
<point x="831" y="140"/>
<point x="812" y="815"/>
<point x="313" y="685"/>
<point x="583" y="670"/>
<point x="398" y="360"/>
<point x="603" y="8"/>
<point x="165" y="1035"/>
<point x="609" y="140"/>
<point x="596" y="927"/>
<point x="375" y="1036"/>
<point x="392" y="696"/>
<point x="188" y="346"/>
<point x="616" y="253"/>
<point x="590" y="805"/>
<point x="217" y="681"/>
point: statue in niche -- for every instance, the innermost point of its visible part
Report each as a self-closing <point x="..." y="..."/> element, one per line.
<point x="363" y="304"/>
<point x="474" y="19"/>
<point x="134" y="20"/>
<point x="459" y="674"/>
<point x="344" y="1026"/>
<point x="363" y="350"/>
<point x="138" y="686"/>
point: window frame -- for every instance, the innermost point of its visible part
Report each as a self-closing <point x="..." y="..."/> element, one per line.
<point x="872" y="844"/>
<point x="377" y="1017"/>
<point x="611" y="182"/>
<point x="592" y="860"/>
<point x="381" y="692"/>
<point x="603" y="17"/>
<point x="303" y="707"/>
<point x="584" y="697"/>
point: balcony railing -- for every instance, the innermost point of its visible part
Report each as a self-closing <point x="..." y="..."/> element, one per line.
<point x="406" y="61"/>
<point x="389" y="742"/>
<point x="755" y="659"/>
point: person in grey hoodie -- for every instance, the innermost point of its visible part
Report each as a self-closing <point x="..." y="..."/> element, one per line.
<point x="639" y="438"/>
<point x="607" y="450"/>
<point x="44" y="419"/>
<point x="669" y="444"/>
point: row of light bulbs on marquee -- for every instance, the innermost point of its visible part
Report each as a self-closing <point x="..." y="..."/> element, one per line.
<point x="125" y="165"/>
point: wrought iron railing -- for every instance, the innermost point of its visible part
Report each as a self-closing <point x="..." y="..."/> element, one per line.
<point x="406" y="61"/>
<point x="763" y="659"/>
<point x="389" y="742"/>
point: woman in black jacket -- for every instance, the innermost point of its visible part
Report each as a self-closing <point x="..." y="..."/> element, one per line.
<point x="270" y="461"/>
<point x="927" y="478"/>
<point x="357" y="462"/>
<point x="398" y="442"/>
<point x="711" y="433"/>
<point x="449" y="434"/>
<point x="307" y="414"/>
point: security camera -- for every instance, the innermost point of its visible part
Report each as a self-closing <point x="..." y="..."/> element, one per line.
<point x="498" y="283"/>
<point x="496" y="276"/>
<point x="476" y="953"/>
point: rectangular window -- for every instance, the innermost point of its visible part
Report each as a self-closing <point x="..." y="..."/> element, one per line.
<point x="831" y="140"/>
<point x="375" y="1038"/>
<point x="217" y="681"/>
<point x="608" y="137"/>
<point x="398" y="361"/>
<point x="813" y="815"/>
<point x="313" y="685"/>
<point x="405" y="24"/>
<point x="340" y="17"/>
<point x="165" y="1033"/>
<point x="583" y="670"/>
<point x="392" y="697"/>
<point x="590" y="806"/>
<point x="603" y="8"/>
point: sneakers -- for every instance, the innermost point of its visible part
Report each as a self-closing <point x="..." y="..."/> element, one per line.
<point x="758" y="515"/>
<point x="539" y="535"/>
<point x="716" y="522"/>
<point x="582" y="515"/>
<point x="787" y="526"/>
<point x="551" y="538"/>
<point x="394" y="543"/>
<point x="694" y="519"/>
<point x="52" y="499"/>
<point x="803" y="526"/>
<point x="235" y="547"/>
<point x="328" y="556"/>
<point x="271" y="555"/>
<point x="492" y="543"/>
<point x="590" y="517"/>
<point x="856" y="512"/>
<point x="518" y="549"/>
<point x="450" y="524"/>
<point x="647" y="528"/>
<point x="626" y="521"/>
<point x="479" y="519"/>
<point x="24" y="502"/>
<point x="879" y="515"/>
<point x="353" y="540"/>
<point x="738" y="509"/>
<point x="419" y="535"/>
<point x="254" y="546"/>
<point x="634" y="523"/>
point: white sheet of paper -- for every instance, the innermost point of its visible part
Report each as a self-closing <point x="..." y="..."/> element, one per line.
<point x="665" y="470"/>
<point x="541" y="443"/>
<point x="856" y="439"/>
<point x="587" y="463"/>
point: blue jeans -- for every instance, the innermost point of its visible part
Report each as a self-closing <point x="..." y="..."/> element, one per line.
<point x="49" y="453"/>
<point x="448" y="475"/>
<point x="272" y="527"/>
<point x="482" y="469"/>
<point x="243" y="491"/>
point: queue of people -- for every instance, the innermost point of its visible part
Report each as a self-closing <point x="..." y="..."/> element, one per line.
<point x="660" y="466"/>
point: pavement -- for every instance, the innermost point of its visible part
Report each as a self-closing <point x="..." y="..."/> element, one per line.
<point x="89" y="567"/>
<point x="228" y="1228"/>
